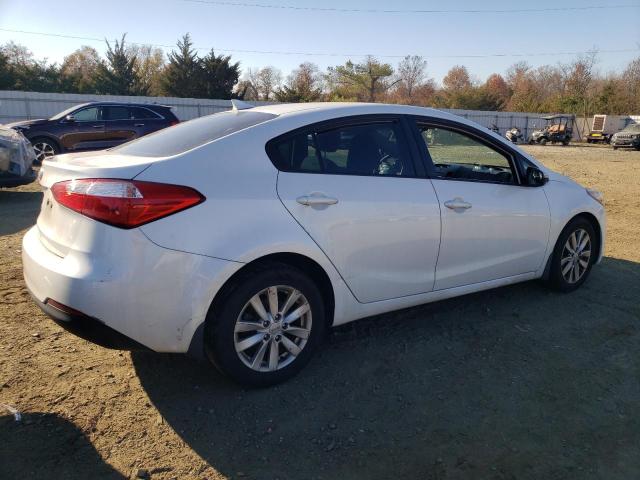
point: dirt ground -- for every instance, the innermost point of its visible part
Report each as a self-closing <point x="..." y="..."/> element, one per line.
<point x="515" y="383"/>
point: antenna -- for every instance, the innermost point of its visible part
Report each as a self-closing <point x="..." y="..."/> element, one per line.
<point x="237" y="105"/>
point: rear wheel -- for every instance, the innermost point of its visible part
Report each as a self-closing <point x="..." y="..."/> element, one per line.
<point x="573" y="256"/>
<point x="267" y="327"/>
<point x="44" y="148"/>
<point x="543" y="141"/>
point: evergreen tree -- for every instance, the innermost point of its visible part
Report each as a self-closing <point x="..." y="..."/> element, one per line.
<point x="117" y="76"/>
<point x="218" y="76"/>
<point x="183" y="74"/>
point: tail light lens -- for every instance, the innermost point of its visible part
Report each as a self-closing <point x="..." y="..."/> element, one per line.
<point x="124" y="203"/>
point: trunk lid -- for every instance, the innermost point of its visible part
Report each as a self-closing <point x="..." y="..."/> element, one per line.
<point x="62" y="229"/>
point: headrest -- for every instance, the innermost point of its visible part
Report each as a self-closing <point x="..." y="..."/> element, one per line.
<point x="328" y="141"/>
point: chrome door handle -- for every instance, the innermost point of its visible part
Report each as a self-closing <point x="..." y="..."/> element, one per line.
<point x="312" y="200"/>
<point x="96" y="126"/>
<point x="138" y="124"/>
<point x="457" y="204"/>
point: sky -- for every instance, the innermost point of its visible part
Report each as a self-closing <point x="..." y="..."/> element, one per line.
<point x="329" y="32"/>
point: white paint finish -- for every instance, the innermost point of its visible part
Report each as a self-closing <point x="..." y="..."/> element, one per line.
<point x="156" y="283"/>
<point x="382" y="235"/>
<point x="156" y="296"/>
<point x="504" y="232"/>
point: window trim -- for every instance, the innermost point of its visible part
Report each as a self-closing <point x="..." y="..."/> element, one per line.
<point x="157" y="115"/>
<point x="86" y="107"/>
<point x="511" y="155"/>
<point x="347" y="121"/>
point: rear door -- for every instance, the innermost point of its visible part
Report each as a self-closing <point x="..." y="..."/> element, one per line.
<point x="493" y="226"/>
<point x="352" y="185"/>
<point x="119" y="126"/>
<point x="146" y="121"/>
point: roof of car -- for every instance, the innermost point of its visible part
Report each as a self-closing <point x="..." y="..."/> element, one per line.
<point x="352" y="107"/>
<point x="128" y="104"/>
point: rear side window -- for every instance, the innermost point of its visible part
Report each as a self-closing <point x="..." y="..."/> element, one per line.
<point x="115" y="113"/>
<point x="139" y="113"/>
<point x="185" y="136"/>
<point x="367" y="149"/>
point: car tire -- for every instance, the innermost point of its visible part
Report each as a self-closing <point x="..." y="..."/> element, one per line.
<point x="44" y="148"/>
<point x="564" y="276"/>
<point x="615" y="148"/>
<point x="543" y="141"/>
<point x="233" y="323"/>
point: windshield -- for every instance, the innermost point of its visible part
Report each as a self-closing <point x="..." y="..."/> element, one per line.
<point x="194" y="133"/>
<point x="634" y="127"/>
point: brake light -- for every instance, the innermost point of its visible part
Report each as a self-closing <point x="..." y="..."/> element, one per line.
<point x="173" y="122"/>
<point x="124" y="203"/>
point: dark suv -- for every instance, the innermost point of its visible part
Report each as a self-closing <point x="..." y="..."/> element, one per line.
<point x="93" y="126"/>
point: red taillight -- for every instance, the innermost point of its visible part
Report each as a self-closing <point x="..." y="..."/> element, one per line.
<point x="173" y="122"/>
<point x="124" y="203"/>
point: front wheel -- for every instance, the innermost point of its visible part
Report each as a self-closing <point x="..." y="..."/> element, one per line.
<point x="543" y="141"/>
<point x="44" y="148"/>
<point x="267" y="327"/>
<point x="573" y="256"/>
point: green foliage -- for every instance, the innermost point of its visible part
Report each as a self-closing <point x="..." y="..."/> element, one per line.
<point x="117" y="75"/>
<point x="218" y="76"/>
<point x="182" y="74"/>
<point x="365" y="81"/>
<point x="572" y="87"/>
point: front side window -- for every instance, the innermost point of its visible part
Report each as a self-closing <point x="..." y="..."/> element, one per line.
<point x="375" y="149"/>
<point x="458" y="156"/>
<point x="86" y="115"/>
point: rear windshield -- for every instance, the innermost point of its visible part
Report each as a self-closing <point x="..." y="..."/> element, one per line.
<point x="185" y="136"/>
<point x="634" y="127"/>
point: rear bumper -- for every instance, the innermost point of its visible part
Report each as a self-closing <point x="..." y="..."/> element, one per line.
<point x="87" y="327"/>
<point x="125" y="290"/>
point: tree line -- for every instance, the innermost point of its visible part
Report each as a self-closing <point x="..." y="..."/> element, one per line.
<point x="131" y="69"/>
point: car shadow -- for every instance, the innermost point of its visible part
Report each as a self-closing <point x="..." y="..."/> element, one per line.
<point x="18" y="210"/>
<point x="517" y="382"/>
<point x="44" y="445"/>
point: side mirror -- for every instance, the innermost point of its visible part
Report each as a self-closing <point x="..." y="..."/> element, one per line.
<point x="535" y="177"/>
<point x="70" y="118"/>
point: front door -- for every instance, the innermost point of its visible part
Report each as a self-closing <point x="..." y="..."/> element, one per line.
<point x="85" y="131"/>
<point x="492" y="225"/>
<point x="353" y="189"/>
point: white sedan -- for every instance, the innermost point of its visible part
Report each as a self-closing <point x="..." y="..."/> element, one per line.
<point x="244" y="235"/>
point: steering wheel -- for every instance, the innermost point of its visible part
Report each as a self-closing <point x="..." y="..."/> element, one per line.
<point x="387" y="167"/>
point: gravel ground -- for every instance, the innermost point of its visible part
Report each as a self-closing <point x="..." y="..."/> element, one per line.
<point x="514" y="383"/>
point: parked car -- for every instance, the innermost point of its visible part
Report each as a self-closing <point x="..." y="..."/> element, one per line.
<point x="93" y="126"/>
<point x="558" y="129"/>
<point x="246" y="234"/>
<point x="629" y="137"/>
<point x="16" y="159"/>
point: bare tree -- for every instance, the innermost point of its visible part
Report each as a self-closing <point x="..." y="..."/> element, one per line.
<point x="263" y="83"/>
<point x="411" y="74"/>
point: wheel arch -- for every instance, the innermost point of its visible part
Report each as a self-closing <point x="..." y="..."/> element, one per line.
<point x="597" y="228"/>
<point x="46" y="136"/>
<point x="297" y="260"/>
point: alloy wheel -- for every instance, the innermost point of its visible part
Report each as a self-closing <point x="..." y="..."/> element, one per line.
<point x="273" y="328"/>
<point x="43" y="150"/>
<point x="575" y="257"/>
